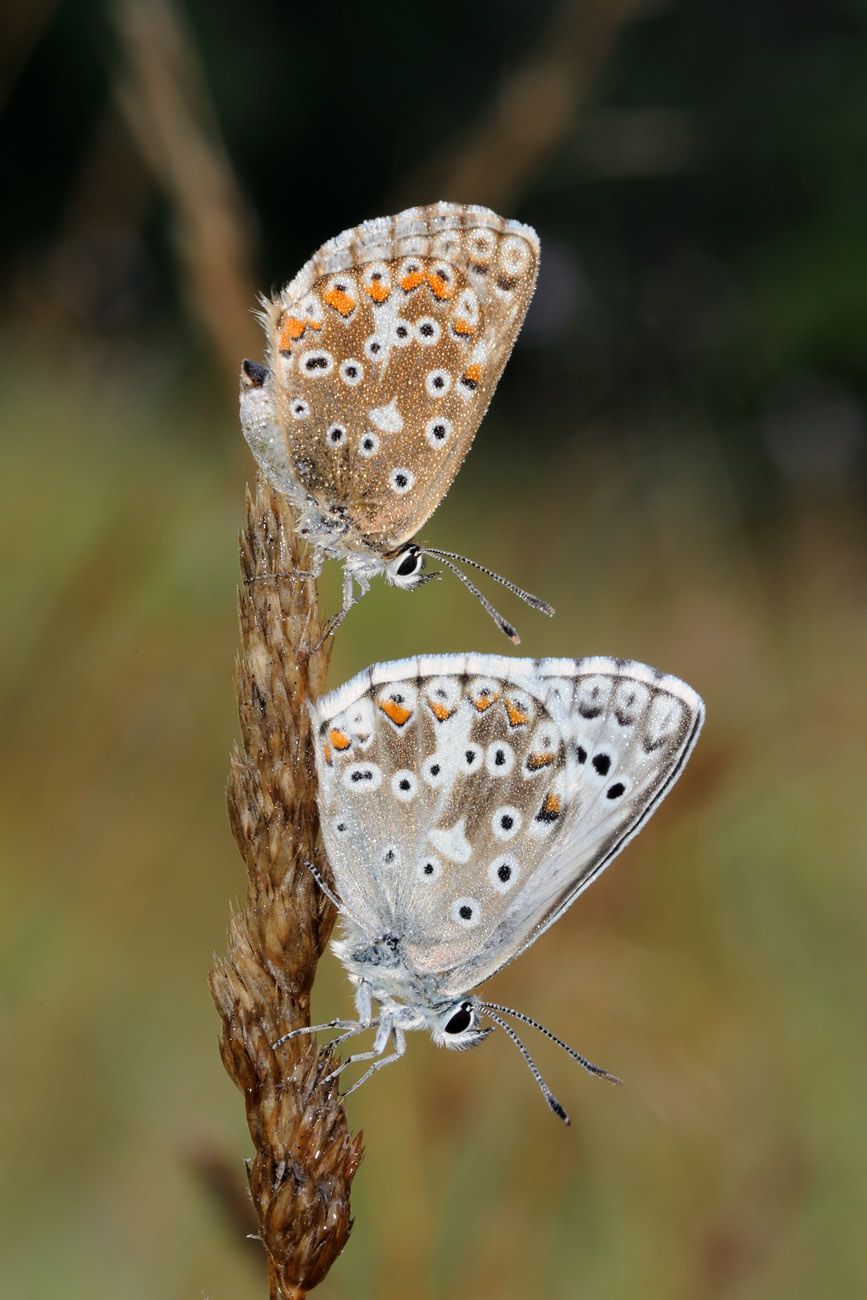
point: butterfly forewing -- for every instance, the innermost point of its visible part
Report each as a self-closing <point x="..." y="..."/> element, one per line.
<point x="631" y="730"/>
<point x="466" y="800"/>
<point x="386" y="349"/>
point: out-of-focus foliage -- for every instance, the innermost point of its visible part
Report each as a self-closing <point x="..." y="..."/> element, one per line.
<point x="675" y="459"/>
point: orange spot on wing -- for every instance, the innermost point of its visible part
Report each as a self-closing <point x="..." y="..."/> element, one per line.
<point x="410" y="282"/>
<point x="439" y="287"/>
<point x="377" y="291"/>
<point x="328" y="753"/>
<point x="396" y="712"/>
<point x="340" y="301"/>
<point x="473" y="373"/>
<point x="440" y="711"/>
<point x="339" y="739"/>
<point x="291" y="329"/>
<point x="550" y="809"/>
<point x="462" y="327"/>
<point x="484" y="702"/>
<point x="536" y="762"/>
<point x="516" y="717"/>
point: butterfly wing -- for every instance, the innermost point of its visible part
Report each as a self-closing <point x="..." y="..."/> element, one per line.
<point x="404" y="763"/>
<point x="385" y="351"/>
<point x="467" y="800"/>
<point x="627" y="732"/>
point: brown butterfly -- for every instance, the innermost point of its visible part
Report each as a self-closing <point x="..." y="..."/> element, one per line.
<point x="383" y="354"/>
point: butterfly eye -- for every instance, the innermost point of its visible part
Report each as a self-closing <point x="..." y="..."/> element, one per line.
<point x="461" y="1020"/>
<point x="410" y="565"/>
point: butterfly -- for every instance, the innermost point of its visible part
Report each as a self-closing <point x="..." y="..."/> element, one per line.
<point x="465" y="802"/>
<point x="383" y="354"/>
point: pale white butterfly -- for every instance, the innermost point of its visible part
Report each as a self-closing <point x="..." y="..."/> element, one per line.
<point x="465" y="802"/>
<point x="383" y="354"/>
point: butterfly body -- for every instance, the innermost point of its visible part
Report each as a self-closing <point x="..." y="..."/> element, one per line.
<point x="405" y="999"/>
<point x="466" y="801"/>
<point x="383" y="354"/>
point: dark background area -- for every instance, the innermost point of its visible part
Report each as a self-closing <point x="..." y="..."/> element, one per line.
<point x="675" y="458"/>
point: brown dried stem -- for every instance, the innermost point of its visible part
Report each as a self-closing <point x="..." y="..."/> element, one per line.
<point x="163" y="94"/>
<point x="305" y="1158"/>
<point x="494" y="160"/>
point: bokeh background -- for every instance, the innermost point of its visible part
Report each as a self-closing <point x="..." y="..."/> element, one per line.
<point x="675" y="458"/>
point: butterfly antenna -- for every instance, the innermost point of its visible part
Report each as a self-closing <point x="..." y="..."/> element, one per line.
<point x="326" y="889"/>
<point x="534" y="1070"/>
<point x="526" y="596"/>
<point x="570" y="1051"/>
<point x="483" y="600"/>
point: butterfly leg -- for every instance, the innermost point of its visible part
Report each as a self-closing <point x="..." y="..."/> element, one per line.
<point x="399" y="1049"/>
<point x="363" y="1003"/>
<point x="348" y="601"/>
<point x="350" y="1033"/>
<point x="365" y="1020"/>
<point x="380" y="1043"/>
<point x="352" y="1026"/>
<point x="316" y="561"/>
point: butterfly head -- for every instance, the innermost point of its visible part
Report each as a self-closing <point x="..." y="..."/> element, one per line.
<point x="457" y="1025"/>
<point x="406" y="568"/>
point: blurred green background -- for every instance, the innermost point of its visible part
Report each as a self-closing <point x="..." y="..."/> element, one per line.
<point x="675" y="459"/>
